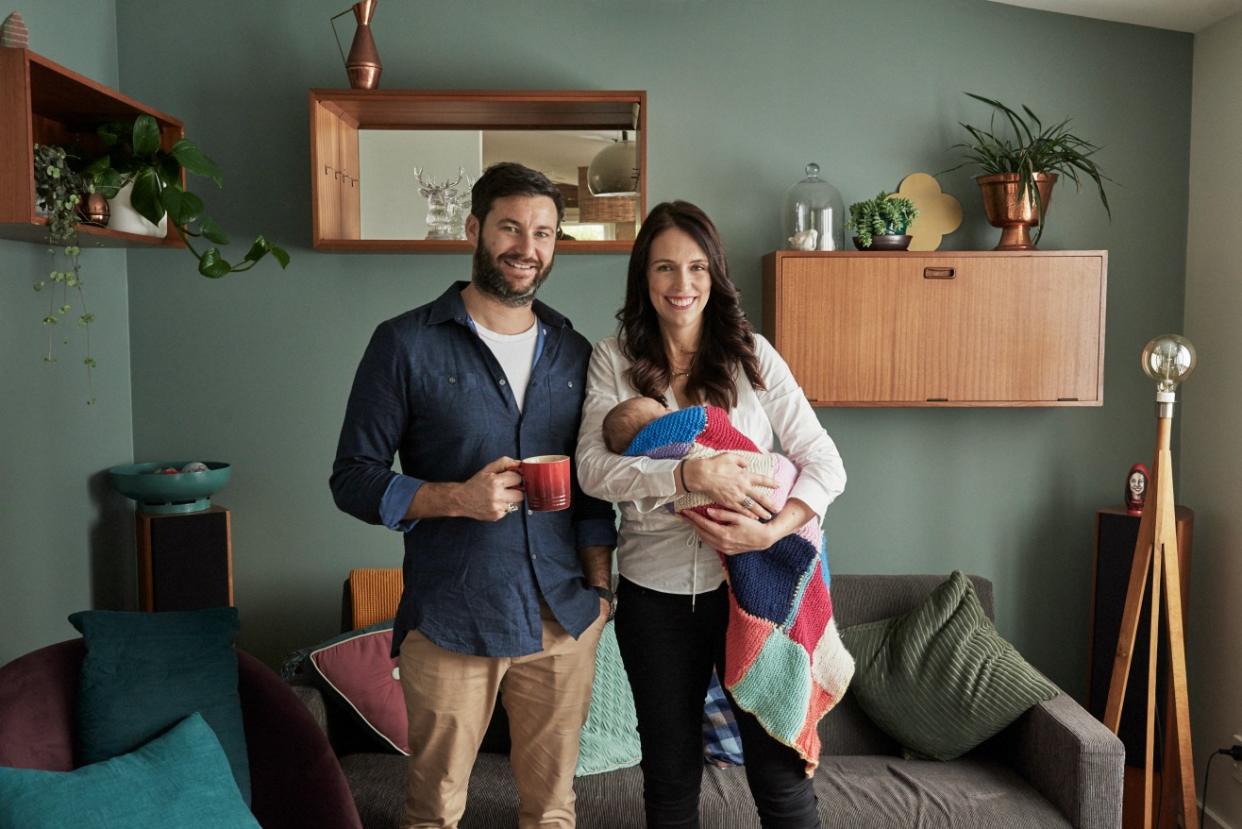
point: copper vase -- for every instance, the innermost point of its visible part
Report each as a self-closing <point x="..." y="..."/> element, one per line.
<point x="1011" y="207"/>
<point x="363" y="63"/>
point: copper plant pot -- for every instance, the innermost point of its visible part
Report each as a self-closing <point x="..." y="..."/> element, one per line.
<point x="93" y="209"/>
<point x="1010" y="207"/>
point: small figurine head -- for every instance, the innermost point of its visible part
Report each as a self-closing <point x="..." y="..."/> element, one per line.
<point x="1136" y="488"/>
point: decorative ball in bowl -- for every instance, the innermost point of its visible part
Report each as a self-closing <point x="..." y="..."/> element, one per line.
<point x="170" y="486"/>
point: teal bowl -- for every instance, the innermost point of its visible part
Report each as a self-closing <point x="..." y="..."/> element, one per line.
<point x="182" y="492"/>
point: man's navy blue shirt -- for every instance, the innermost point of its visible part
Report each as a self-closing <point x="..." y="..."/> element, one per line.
<point x="429" y="391"/>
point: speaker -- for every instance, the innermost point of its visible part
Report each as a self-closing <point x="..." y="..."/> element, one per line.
<point x="1116" y="533"/>
<point x="185" y="560"/>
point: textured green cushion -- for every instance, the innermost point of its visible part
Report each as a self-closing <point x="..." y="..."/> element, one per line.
<point x="609" y="740"/>
<point x="180" y="779"/>
<point x="145" y="672"/>
<point x="940" y="679"/>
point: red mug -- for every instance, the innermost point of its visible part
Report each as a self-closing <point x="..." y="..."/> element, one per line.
<point x="546" y="481"/>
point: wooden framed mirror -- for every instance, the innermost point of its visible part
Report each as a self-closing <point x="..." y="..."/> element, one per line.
<point x="366" y="146"/>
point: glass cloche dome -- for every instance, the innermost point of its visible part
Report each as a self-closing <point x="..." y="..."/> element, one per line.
<point x="813" y="217"/>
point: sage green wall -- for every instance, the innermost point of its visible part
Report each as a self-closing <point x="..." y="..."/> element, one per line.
<point x="255" y="368"/>
<point x="1212" y="447"/>
<point x="63" y="545"/>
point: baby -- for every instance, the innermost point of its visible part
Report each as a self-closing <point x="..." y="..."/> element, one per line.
<point x="780" y="612"/>
<point x="642" y="426"/>
<point x="626" y="419"/>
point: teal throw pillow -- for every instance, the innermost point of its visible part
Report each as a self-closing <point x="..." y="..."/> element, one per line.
<point x="180" y="779"/>
<point x="609" y="740"/>
<point x="940" y="680"/>
<point x="145" y="672"/>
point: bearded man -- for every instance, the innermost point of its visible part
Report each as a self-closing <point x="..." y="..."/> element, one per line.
<point x="497" y="599"/>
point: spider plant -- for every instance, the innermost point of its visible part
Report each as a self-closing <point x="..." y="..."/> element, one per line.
<point x="1033" y="148"/>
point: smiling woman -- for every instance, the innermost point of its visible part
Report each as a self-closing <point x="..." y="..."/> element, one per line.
<point x="679" y="284"/>
<point x="684" y="341"/>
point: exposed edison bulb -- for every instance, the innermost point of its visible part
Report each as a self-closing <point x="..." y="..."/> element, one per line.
<point x="1168" y="359"/>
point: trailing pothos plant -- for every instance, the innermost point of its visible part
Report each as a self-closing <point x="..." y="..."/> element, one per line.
<point x="134" y="156"/>
<point x="58" y="190"/>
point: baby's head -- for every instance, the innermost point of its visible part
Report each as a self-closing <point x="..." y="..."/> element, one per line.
<point x="626" y="419"/>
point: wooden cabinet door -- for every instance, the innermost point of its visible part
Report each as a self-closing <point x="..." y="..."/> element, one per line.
<point x="1012" y="329"/>
<point x="325" y="155"/>
<point x="348" y="162"/>
<point x="940" y="329"/>
<point x="850" y="330"/>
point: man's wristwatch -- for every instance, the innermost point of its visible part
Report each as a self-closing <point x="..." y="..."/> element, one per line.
<point x="607" y="595"/>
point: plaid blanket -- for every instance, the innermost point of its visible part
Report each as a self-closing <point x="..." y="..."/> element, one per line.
<point x="784" y="660"/>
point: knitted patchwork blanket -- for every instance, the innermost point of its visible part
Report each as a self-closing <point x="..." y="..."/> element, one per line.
<point x="784" y="659"/>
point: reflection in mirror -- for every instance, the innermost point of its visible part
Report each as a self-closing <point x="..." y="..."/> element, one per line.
<point x="394" y="205"/>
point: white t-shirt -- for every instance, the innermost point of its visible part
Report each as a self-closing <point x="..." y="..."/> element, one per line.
<point x="656" y="548"/>
<point x="515" y="353"/>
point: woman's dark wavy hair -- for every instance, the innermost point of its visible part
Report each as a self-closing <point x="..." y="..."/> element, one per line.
<point x="726" y="341"/>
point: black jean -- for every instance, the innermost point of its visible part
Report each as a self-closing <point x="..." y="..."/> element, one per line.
<point x="669" y="651"/>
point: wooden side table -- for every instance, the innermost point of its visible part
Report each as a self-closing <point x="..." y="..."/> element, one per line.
<point x="185" y="560"/>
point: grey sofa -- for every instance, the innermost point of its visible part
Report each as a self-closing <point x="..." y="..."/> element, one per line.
<point x="1056" y="766"/>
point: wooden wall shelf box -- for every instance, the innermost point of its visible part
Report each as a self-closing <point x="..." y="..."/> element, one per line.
<point x="940" y="328"/>
<point x="336" y="116"/>
<point x="42" y="102"/>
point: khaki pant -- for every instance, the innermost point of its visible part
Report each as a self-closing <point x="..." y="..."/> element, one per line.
<point x="450" y="697"/>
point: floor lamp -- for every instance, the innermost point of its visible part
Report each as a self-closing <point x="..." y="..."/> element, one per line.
<point x="1168" y="360"/>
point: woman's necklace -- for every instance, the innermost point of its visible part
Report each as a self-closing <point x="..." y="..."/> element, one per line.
<point x="674" y="374"/>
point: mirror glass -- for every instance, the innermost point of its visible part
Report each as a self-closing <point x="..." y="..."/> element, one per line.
<point x="395" y="205"/>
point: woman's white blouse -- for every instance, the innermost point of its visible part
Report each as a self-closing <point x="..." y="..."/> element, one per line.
<point x="657" y="549"/>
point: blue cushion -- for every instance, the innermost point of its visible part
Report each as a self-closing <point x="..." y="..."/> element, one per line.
<point x="145" y="672"/>
<point x="181" y="779"/>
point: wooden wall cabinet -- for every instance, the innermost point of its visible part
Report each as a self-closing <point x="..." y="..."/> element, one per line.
<point x="42" y="102"/>
<point x="940" y="328"/>
<point x="336" y="116"/>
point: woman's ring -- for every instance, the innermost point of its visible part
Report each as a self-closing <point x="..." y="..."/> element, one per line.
<point x="511" y="508"/>
<point x="748" y="502"/>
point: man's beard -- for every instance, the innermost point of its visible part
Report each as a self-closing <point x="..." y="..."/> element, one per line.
<point x="488" y="278"/>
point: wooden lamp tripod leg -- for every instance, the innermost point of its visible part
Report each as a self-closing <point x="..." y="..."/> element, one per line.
<point x="1135" y="592"/>
<point x="1179" y="727"/>
<point x="1157" y="549"/>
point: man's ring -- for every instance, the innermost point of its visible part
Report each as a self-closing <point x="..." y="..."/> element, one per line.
<point x="748" y="502"/>
<point x="511" y="508"/>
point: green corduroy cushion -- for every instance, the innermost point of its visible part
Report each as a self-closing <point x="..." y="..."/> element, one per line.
<point x="940" y="680"/>
<point x="609" y="740"/>
<point x="145" y="672"/>
<point x="180" y="778"/>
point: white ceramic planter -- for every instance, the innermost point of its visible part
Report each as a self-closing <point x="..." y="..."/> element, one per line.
<point x="125" y="218"/>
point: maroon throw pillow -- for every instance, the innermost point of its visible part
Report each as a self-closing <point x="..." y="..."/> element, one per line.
<point x="359" y="670"/>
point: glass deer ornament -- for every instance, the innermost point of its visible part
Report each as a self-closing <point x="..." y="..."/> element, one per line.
<point x="441" y="203"/>
<point x="459" y="207"/>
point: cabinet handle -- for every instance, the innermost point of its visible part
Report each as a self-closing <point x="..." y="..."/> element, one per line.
<point x="939" y="273"/>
